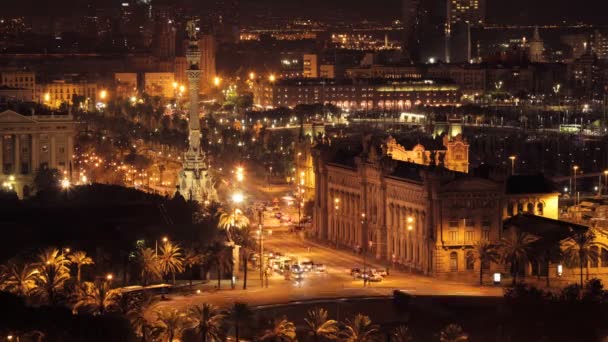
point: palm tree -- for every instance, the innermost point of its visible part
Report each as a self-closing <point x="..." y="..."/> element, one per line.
<point x="170" y="324"/>
<point x="318" y="325"/>
<point x="148" y="262"/>
<point x="578" y="250"/>
<point x="96" y="298"/>
<point x="19" y="279"/>
<point x="245" y="239"/>
<point x="80" y="258"/>
<point x="515" y="250"/>
<point x="239" y="313"/>
<point x="207" y="321"/>
<point x="171" y="259"/>
<point x="218" y="255"/>
<point x="236" y="220"/>
<point x="402" y="334"/>
<point x="360" y="329"/>
<point x="192" y="258"/>
<point x="486" y="254"/>
<point x="137" y="315"/>
<point x="453" y="333"/>
<point x="52" y="274"/>
<point x="281" y="330"/>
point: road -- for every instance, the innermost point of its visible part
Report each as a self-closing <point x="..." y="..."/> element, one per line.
<point x="336" y="282"/>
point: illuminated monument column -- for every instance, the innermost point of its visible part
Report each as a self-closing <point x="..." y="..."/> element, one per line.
<point x="194" y="181"/>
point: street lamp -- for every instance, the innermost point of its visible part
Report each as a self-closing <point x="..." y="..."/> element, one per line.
<point x="65" y="184"/>
<point x="272" y="78"/>
<point x="164" y="240"/>
<point x="512" y="158"/>
<point x="605" y="180"/>
<point x="217" y="81"/>
<point x="252" y="76"/>
<point x="103" y="94"/>
<point x="238" y="198"/>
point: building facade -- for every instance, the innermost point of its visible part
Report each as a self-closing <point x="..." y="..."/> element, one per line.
<point x="28" y="143"/>
<point x="357" y="94"/>
<point x="55" y="93"/>
<point x="159" y="84"/>
<point x="424" y="218"/>
<point x="454" y="157"/>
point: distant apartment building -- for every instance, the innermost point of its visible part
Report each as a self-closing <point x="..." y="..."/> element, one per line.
<point x="159" y="84"/>
<point x="58" y="92"/>
<point x="18" y="79"/>
<point x="126" y="84"/>
<point x="358" y="94"/>
<point x="310" y="66"/>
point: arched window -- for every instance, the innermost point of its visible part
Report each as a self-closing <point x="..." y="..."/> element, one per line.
<point x="604" y="257"/>
<point x="453" y="262"/>
<point x="593" y="258"/>
<point x="520" y="208"/>
<point x="530" y="208"/>
<point x="470" y="261"/>
<point x="510" y="209"/>
<point x="540" y="208"/>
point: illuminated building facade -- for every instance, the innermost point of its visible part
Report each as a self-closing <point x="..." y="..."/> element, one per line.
<point x="453" y="155"/>
<point x="357" y="94"/>
<point x="57" y="92"/>
<point x="30" y="142"/>
<point x="424" y="218"/>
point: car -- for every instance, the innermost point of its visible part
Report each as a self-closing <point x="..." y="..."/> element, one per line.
<point x="318" y="267"/>
<point x="307" y="266"/>
<point x="374" y="277"/>
<point x="382" y="271"/>
<point x="355" y="272"/>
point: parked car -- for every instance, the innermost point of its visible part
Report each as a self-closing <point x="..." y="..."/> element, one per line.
<point x="355" y="272"/>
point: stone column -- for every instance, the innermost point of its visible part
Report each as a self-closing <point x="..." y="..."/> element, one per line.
<point x="34" y="149"/>
<point x="53" y="154"/>
<point x="17" y="169"/>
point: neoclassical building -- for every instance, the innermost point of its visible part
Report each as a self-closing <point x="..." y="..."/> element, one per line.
<point x="424" y="217"/>
<point x="453" y="156"/>
<point x="28" y="142"/>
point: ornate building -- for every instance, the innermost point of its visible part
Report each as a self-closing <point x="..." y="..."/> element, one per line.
<point x="28" y="143"/>
<point x="455" y="157"/>
<point x="423" y="217"/>
<point x="194" y="181"/>
<point x="537" y="48"/>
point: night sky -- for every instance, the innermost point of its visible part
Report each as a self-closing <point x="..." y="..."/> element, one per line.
<point x="499" y="11"/>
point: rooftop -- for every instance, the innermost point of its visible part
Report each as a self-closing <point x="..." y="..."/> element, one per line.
<point x="529" y="184"/>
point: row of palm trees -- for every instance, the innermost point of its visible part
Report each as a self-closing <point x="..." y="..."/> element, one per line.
<point x="211" y="324"/>
<point x="519" y="248"/>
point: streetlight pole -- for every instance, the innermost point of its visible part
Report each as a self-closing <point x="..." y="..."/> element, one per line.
<point x="575" y="168"/>
<point x="165" y="239"/>
<point x="261" y="237"/>
<point x="512" y="164"/>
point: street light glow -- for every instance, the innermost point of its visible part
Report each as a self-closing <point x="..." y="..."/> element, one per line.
<point x="103" y="94"/>
<point x="238" y="198"/>
<point x="65" y="183"/>
<point x="217" y="81"/>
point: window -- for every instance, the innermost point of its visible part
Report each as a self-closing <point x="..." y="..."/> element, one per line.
<point x="470" y="261"/>
<point x="485" y="234"/>
<point x="469" y="222"/>
<point x="540" y="208"/>
<point x="510" y="209"/>
<point x="468" y="235"/>
<point x="520" y="208"/>
<point x="604" y="257"/>
<point x="453" y="223"/>
<point x="593" y="259"/>
<point x="530" y="208"/>
<point x="453" y="235"/>
<point x="453" y="262"/>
